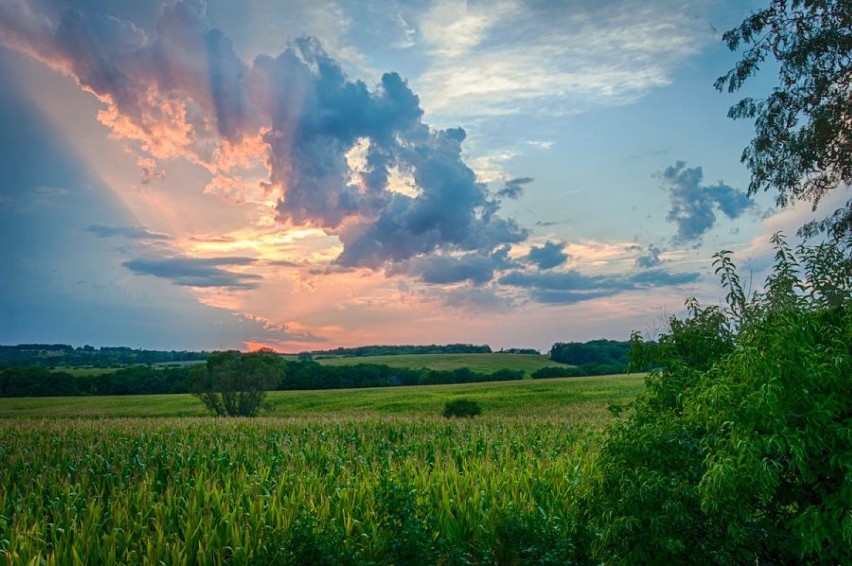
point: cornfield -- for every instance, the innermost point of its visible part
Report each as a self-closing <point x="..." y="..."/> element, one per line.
<point x="219" y="491"/>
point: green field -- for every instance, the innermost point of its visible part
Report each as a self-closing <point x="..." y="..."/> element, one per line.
<point x="272" y="491"/>
<point x="579" y="400"/>
<point x="360" y="476"/>
<point x="483" y="363"/>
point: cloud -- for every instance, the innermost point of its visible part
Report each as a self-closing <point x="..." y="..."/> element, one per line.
<point x="476" y="268"/>
<point x="283" y="263"/>
<point x="197" y="272"/>
<point x="548" y="256"/>
<point x="651" y="258"/>
<point x="569" y="287"/>
<point x="185" y="93"/>
<point x="128" y="232"/>
<point x="694" y="205"/>
<point x="150" y="171"/>
<point x="508" y="57"/>
<point x="541" y="144"/>
<point x="514" y="188"/>
<point x="660" y="278"/>
<point x="476" y="298"/>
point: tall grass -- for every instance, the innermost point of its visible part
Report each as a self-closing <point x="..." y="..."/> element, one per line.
<point x="208" y="491"/>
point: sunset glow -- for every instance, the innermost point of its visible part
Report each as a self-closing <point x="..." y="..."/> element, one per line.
<point x="194" y="175"/>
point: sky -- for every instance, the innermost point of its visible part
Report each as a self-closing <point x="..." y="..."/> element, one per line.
<point x="308" y="175"/>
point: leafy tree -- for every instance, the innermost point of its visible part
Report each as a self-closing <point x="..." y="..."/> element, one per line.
<point x="803" y="128"/>
<point x="740" y="449"/>
<point x="234" y="384"/>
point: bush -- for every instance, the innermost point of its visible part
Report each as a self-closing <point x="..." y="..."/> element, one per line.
<point x="554" y="371"/>
<point x="461" y="408"/>
<point x="739" y="449"/>
<point x="505" y="375"/>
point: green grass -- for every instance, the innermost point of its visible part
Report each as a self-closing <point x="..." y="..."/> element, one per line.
<point x="344" y="476"/>
<point x="484" y="363"/>
<point x="580" y="400"/>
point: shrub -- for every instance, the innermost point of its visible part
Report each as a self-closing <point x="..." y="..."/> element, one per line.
<point x="461" y="408"/>
<point x="555" y="371"/>
<point x="739" y="449"/>
<point x="505" y="375"/>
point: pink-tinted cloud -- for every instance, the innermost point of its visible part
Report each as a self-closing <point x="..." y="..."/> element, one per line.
<point x="184" y="93"/>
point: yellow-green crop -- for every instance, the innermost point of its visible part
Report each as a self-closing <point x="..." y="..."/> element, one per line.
<point x="214" y="491"/>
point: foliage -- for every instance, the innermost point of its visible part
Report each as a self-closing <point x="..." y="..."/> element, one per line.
<point x="524" y="351"/>
<point x="63" y="355"/>
<point x="301" y="374"/>
<point x="461" y="408"/>
<point x="740" y="448"/>
<point x="35" y="382"/>
<point x="556" y="371"/>
<point x="234" y="384"/>
<point x="594" y="352"/>
<point x="803" y="128"/>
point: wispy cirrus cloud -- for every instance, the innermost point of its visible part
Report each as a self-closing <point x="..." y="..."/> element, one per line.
<point x="510" y="57"/>
<point x="128" y="232"/>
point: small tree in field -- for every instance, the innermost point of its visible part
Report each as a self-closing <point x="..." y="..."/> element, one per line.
<point x="234" y="384"/>
<point x="739" y="450"/>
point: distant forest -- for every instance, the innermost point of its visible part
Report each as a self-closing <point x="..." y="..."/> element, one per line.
<point x="362" y="351"/>
<point x="63" y="355"/>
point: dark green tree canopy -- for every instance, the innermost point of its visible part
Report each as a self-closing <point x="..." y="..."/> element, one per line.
<point x="235" y="384"/>
<point x="802" y="140"/>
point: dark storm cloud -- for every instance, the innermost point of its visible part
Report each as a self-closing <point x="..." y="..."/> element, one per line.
<point x="310" y="116"/>
<point x="548" y="256"/>
<point x="694" y="205"/>
<point x="196" y="272"/>
<point x="514" y="188"/>
<point x="568" y="287"/>
<point x="128" y="232"/>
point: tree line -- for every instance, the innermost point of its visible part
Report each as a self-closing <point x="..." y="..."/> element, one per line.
<point x="380" y="350"/>
<point x="63" y="355"/>
<point x="38" y="373"/>
<point x="596" y="357"/>
<point x="288" y="376"/>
